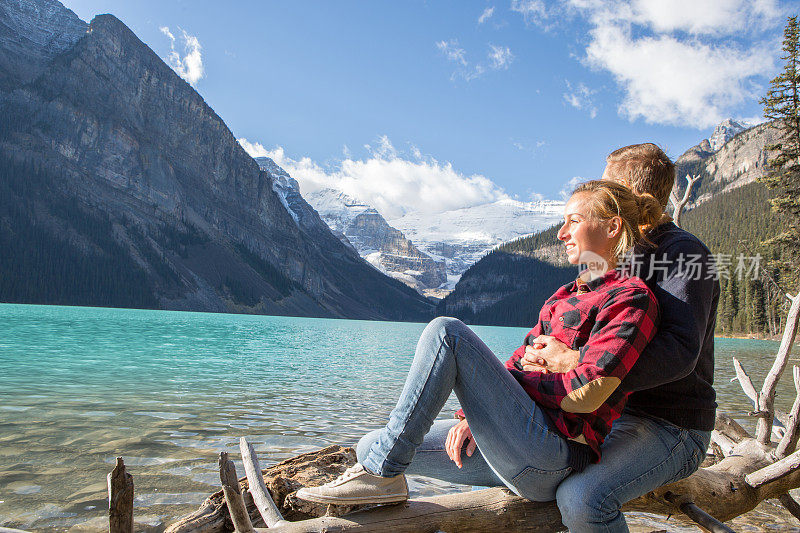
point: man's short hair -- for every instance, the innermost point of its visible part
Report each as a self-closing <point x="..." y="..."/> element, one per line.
<point x="645" y="168"/>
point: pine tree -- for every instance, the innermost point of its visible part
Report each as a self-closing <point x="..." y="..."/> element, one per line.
<point x="782" y="105"/>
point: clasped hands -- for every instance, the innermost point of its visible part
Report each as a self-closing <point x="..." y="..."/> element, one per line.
<point x="546" y="354"/>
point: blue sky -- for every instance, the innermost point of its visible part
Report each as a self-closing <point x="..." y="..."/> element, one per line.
<point x="409" y="103"/>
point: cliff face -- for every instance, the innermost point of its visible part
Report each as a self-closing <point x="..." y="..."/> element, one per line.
<point x="385" y="247"/>
<point x="110" y="129"/>
<point x="732" y="157"/>
<point x="32" y="32"/>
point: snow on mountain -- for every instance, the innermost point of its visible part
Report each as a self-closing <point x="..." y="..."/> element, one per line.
<point x="724" y="132"/>
<point x="428" y="252"/>
<point x="282" y="183"/>
<point x="336" y="208"/>
<point x="380" y="244"/>
<point x="462" y="236"/>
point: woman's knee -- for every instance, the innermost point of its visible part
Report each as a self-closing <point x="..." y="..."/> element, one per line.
<point x="445" y="325"/>
<point x="366" y="442"/>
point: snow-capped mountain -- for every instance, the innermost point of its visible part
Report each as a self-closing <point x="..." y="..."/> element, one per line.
<point x="462" y="236"/>
<point x="385" y="247"/>
<point x="428" y="252"/>
<point x="724" y="132"/>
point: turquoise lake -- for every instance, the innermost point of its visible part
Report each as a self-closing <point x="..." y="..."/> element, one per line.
<point x="169" y="390"/>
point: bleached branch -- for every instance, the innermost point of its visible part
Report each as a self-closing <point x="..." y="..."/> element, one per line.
<point x="766" y="400"/>
<point x="679" y="204"/>
<point x="789" y="441"/>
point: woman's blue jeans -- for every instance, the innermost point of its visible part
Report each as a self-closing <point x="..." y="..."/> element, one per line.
<point x="517" y="446"/>
<point x="640" y="454"/>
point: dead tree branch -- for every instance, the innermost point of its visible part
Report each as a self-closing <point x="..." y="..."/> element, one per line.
<point x="789" y="441"/>
<point x="766" y="400"/>
<point x="679" y="204"/>
<point x="233" y="495"/>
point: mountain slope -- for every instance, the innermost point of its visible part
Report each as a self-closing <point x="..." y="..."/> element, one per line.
<point x="109" y="129"/>
<point x="723" y="167"/>
<point x="32" y="33"/>
<point x="361" y="226"/>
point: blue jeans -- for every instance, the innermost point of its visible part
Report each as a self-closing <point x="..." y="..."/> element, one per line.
<point x="640" y="454"/>
<point x="513" y="434"/>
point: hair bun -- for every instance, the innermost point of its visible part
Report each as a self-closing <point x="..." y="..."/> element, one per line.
<point x="650" y="210"/>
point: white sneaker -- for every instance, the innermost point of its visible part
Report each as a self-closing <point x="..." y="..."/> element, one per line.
<point x="356" y="486"/>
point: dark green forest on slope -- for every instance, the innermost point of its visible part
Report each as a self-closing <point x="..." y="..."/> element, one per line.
<point x="737" y="222"/>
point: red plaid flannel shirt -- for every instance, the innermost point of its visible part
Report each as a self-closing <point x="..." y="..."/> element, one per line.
<point x="609" y="320"/>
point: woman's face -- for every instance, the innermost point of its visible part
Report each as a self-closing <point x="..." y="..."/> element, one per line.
<point x="584" y="235"/>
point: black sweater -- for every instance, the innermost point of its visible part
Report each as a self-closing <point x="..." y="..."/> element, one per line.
<point x="673" y="378"/>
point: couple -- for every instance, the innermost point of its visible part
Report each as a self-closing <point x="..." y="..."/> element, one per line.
<point x="609" y="397"/>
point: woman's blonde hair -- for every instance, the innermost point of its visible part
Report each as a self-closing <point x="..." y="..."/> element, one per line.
<point x="639" y="212"/>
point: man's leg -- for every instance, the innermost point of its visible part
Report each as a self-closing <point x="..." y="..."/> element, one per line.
<point x="639" y="455"/>
<point x="511" y="431"/>
<point x="431" y="459"/>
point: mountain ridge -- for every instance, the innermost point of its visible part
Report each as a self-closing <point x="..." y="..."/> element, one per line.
<point x="109" y="124"/>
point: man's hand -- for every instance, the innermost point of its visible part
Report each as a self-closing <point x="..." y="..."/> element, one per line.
<point x="455" y="440"/>
<point x="550" y="353"/>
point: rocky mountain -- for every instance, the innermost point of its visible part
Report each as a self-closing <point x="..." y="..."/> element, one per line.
<point x="120" y="186"/>
<point x="724" y="132"/>
<point x="723" y="166"/>
<point x="462" y="236"/>
<point x="362" y="227"/>
<point x="33" y="32"/>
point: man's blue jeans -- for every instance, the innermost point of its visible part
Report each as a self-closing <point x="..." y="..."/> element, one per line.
<point x="512" y="432"/>
<point x="640" y="454"/>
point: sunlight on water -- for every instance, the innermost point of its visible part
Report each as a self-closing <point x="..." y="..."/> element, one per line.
<point x="169" y="390"/>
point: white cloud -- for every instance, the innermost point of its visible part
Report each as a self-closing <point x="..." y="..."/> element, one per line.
<point x="533" y="11"/>
<point x="535" y="197"/>
<point x="566" y="191"/>
<point x="719" y="17"/>
<point x="500" y="57"/>
<point x="486" y="15"/>
<point x="581" y="97"/>
<point x="190" y="66"/>
<point x="670" y="81"/>
<point x="256" y="149"/>
<point x="679" y="62"/>
<point x="392" y="183"/>
<point x="452" y="52"/>
<point x="527" y="145"/>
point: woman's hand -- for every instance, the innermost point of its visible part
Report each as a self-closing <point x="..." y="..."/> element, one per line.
<point x="551" y="353"/>
<point x="455" y="440"/>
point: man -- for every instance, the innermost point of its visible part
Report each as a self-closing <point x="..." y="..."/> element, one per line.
<point x="664" y="431"/>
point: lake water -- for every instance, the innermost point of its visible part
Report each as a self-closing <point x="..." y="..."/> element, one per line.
<point x="169" y="390"/>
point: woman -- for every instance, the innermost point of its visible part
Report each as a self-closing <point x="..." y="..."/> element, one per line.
<point x="532" y="428"/>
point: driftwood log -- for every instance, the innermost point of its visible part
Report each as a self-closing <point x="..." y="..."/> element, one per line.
<point x="282" y="480"/>
<point x="120" y="499"/>
<point x="233" y="495"/>
<point x="269" y="512"/>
